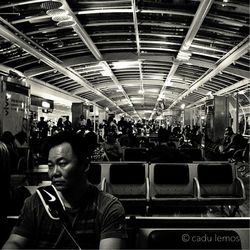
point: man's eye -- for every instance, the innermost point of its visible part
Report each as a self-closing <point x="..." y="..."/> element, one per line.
<point x="62" y="164"/>
<point x="50" y="165"/>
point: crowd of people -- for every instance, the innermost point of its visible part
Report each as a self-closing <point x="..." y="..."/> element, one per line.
<point x="68" y="151"/>
<point x="109" y="139"/>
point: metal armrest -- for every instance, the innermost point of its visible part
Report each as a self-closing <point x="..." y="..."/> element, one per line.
<point x="197" y="188"/>
<point x="240" y="184"/>
<point x="147" y="189"/>
<point x="103" y="184"/>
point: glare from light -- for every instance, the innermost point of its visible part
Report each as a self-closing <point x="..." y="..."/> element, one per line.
<point x="8" y="95"/>
<point x="106" y="73"/>
<point x="168" y="83"/>
<point x="183" y="105"/>
<point x="141" y="91"/>
<point x="45" y="104"/>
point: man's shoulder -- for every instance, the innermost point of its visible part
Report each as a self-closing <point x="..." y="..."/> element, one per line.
<point x="33" y="201"/>
<point x="107" y="200"/>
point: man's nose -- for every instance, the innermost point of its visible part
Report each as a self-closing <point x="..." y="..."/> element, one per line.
<point x="55" y="170"/>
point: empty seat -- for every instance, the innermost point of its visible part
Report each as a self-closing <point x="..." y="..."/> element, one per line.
<point x="172" y="184"/>
<point x="129" y="182"/>
<point x="219" y="184"/>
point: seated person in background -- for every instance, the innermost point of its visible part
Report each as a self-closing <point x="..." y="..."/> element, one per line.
<point x="96" y="218"/>
<point x="168" y="154"/>
<point x="185" y="140"/>
<point x="5" y="179"/>
<point x="21" y="139"/>
<point x="9" y="140"/>
<point x="4" y="190"/>
<point x="231" y="143"/>
<point x="112" y="147"/>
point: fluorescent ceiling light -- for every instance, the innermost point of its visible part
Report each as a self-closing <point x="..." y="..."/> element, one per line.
<point x="56" y="12"/>
<point x="125" y="64"/>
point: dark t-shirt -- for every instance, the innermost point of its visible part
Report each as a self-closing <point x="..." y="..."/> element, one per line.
<point x="101" y="217"/>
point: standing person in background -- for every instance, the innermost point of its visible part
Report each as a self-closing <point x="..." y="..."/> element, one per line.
<point x="67" y="124"/>
<point x="96" y="219"/>
<point x="60" y="125"/>
<point x="82" y="122"/>
<point x="43" y="128"/>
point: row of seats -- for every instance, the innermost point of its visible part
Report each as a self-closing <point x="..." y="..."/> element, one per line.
<point x="140" y="185"/>
<point x="177" y="233"/>
<point x="145" y="188"/>
<point x="187" y="233"/>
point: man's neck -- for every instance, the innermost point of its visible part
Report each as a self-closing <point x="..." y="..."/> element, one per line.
<point x="73" y="198"/>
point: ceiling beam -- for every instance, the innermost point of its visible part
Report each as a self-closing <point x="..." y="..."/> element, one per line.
<point x="39" y="54"/>
<point x="78" y="28"/>
<point x="201" y="13"/>
<point x="234" y="54"/>
<point x="232" y="88"/>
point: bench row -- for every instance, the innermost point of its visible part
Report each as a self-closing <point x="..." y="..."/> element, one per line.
<point x="177" y="233"/>
<point x="139" y="185"/>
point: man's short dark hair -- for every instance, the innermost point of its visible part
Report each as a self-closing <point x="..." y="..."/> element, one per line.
<point x="78" y="143"/>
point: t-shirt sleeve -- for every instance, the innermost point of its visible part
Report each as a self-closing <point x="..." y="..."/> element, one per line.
<point x="113" y="224"/>
<point x="25" y="223"/>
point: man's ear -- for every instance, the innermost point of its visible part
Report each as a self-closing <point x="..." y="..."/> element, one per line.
<point x="86" y="164"/>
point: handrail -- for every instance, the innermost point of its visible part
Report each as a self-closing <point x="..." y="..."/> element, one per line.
<point x="197" y="187"/>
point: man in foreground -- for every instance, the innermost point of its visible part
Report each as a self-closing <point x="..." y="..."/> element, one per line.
<point x="96" y="219"/>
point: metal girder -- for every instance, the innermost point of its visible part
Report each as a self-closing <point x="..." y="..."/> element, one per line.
<point x="78" y="28"/>
<point x="7" y="34"/>
<point x="224" y="62"/>
<point x="201" y="13"/>
<point x="236" y="86"/>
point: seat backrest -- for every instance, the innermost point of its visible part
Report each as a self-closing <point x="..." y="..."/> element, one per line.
<point x="127" y="179"/>
<point x="135" y="154"/>
<point x="216" y="178"/>
<point x="94" y="173"/>
<point x="194" y="153"/>
<point x="171" y="179"/>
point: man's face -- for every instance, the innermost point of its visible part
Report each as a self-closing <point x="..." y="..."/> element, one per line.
<point x="64" y="170"/>
<point x="227" y="132"/>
